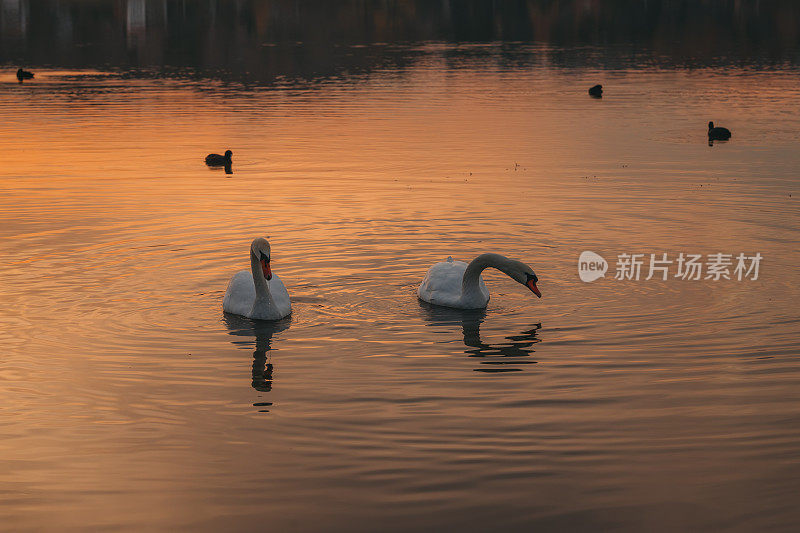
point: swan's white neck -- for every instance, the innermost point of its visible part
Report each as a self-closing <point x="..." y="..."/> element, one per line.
<point x="469" y="283"/>
<point x="263" y="296"/>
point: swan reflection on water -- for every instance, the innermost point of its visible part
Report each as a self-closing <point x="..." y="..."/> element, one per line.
<point x="262" y="357"/>
<point x="519" y="345"/>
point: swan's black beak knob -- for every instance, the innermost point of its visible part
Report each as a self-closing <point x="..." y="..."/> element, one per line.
<point x="265" y="267"/>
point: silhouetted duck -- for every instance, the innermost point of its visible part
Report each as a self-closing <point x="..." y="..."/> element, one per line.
<point x="597" y="90"/>
<point x="24" y="74"/>
<point x="216" y="160"/>
<point x="718" y="134"/>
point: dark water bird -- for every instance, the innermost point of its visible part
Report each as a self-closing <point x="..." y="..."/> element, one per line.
<point x="216" y="160"/>
<point x="718" y="134"/>
<point x="24" y="74"/>
<point x="597" y="91"/>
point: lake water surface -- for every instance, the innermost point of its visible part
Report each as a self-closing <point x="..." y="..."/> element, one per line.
<point x="129" y="401"/>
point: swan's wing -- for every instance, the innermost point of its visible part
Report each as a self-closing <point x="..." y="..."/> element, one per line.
<point x="240" y="295"/>
<point x="280" y="296"/>
<point x="442" y="283"/>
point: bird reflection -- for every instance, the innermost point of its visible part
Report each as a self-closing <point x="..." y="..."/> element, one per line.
<point x="519" y="345"/>
<point x="228" y="168"/>
<point x="263" y="332"/>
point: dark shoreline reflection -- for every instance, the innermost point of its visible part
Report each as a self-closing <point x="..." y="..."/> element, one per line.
<point x="267" y="42"/>
<point x="519" y="345"/>
<point x="263" y="332"/>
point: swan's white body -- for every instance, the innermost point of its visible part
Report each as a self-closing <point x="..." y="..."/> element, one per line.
<point x="442" y="285"/>
<point x="252" y="295"/>
<point x="460" y="285"/>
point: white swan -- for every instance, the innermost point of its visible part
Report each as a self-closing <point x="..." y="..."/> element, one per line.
<point x="257" y="293"/>
<point x="456" y="284"/>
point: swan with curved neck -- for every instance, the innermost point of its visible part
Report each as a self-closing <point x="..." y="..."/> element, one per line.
<point x="459" y="285"/>
<point x="257" y="293"/>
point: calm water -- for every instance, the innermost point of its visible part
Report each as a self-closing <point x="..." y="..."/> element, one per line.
<point x="130" y="402"/>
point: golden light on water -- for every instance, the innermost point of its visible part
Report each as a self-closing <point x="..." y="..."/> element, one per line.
<point x="132" y="402"/>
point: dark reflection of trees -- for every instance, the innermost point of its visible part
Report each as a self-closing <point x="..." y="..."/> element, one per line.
<point x="262" y="332"/>
<point x="497" y="354"/>
<point x="261" y="40"/>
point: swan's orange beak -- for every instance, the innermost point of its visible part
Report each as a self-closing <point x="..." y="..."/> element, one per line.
<point x="534" y="289"/>
<point x="266" y="270"/>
